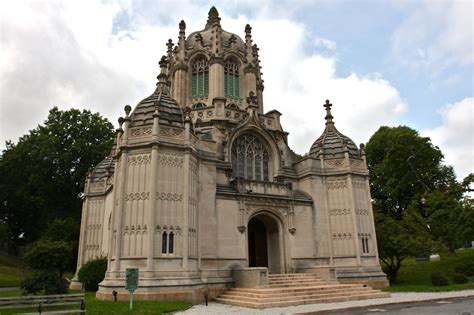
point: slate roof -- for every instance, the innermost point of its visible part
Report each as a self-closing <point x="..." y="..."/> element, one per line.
<point x="333" y="143"/>
<point x="100" y="170"/>
<point x="170" y="112"/>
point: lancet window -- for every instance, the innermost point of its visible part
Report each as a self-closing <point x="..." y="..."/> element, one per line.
<point x="200" y="78"/>
<point x="231" y="79"/>
<point x="250" y="158"/>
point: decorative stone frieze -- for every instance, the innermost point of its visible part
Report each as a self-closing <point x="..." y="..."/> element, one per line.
<point x="145" y="195"/>
<point x="140" y="132"/>
<point x="169" y="196"/>
<point x="139" y="159"/>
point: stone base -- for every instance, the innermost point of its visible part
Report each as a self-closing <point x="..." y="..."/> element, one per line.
<point x="374" y="278"/>
<point x="75" y="284"/>
<point x="194" y="296"/>
<point x="193" y="289"/>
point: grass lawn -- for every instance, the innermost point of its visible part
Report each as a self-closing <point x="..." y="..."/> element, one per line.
<point x="416" y="276"/>
<point x="11" y="271"/>
<point x="95" y="306"/>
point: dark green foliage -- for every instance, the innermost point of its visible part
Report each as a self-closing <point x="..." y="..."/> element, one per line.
<point x="416" y="199"/>
<point x="64" y="230"/>
<point x="48" y="255"/>
<point x="466" y="268"/>
<point x="43" y="173"/>
<point x="92" y="273"/>
<point x="44" y="282"/>
<point x="438" y="278"/>
<point x="460" y="278"/>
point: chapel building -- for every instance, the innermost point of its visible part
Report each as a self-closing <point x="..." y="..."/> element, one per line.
<point x="201" y="184"/>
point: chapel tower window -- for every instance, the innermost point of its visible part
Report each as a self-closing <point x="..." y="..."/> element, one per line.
<point x="200" y="78"/>
<point x="250" y="158"/>
<point x="231" y="79"/>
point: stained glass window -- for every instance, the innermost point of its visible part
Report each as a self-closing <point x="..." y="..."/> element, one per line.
<point x="200" y="78"/>
<point x="249" y="158"/>
<point x="231" y="79"/>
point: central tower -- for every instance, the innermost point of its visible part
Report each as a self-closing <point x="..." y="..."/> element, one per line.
<point x="213" y="65"/>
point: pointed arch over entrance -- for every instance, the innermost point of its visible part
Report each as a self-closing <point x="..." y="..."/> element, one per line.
<point x="265" y="243"/>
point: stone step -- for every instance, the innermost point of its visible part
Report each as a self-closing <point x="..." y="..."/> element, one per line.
<point x="291" y="296"/>
<point x="296" y="289"/>
<point x="273" y="290"/>
<point x="299" y="301"/>
<point x="293" y="275"/>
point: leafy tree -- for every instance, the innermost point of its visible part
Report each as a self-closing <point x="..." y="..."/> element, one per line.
<point x="42" y="175"/>
<point x="64" y="230"/>
<point x="416" y="198"/>
<point x="48" y="255"/>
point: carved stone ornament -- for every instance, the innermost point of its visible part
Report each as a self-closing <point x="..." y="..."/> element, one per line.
<point x="292" y="230"/>
<point x="241" y="228"/>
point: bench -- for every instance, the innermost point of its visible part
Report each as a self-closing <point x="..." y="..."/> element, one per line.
<point x="41" y="301"/>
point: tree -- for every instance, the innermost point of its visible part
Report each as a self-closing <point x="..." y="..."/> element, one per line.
<point x="411" y="190"/>
<point x="42" y="175"/>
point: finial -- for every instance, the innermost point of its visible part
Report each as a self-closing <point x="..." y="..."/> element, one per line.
<point x="328" y="117"/>
<point x="182" y="25"/>
<point x="248" y="30"/>
<point x="170" y="45"/>
<point x="127" y="109"/>
<point x="213" y="17"/>
<point x="162" y="86"/>
<point x="120" y="121"/>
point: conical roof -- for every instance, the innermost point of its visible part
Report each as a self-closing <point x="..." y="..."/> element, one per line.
<point x="332" y="143"/>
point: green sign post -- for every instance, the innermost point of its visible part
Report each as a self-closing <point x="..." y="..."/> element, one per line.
<point x="131" y="282"/>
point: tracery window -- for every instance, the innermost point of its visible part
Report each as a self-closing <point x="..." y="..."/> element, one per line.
<point x="231" y="79"/>
<point x="200" y="78"/>
<point x="249" y="158"/>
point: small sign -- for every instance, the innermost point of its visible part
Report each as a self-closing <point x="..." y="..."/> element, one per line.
<point x="131" y="279"/>
<point x="131" y="282"/>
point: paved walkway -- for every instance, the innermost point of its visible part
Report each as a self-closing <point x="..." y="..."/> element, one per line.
<point x="217" y="308"/>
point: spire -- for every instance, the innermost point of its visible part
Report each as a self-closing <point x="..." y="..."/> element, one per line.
<point x="213" y="17"/>
<point x="248" y="45"/>
<point x="162" y="85"/>
<point x="329" y="116"/>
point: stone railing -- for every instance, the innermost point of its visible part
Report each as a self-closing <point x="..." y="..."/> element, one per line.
<point x="260" y="187"/>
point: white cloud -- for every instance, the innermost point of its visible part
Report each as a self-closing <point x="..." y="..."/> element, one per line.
<point x="69" y="54"/>
<point x="455" y="136"/>
<point x="324" y="43"/>
<point x="435" y="35"/>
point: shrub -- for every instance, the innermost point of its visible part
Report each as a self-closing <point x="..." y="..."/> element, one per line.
<point x="46" y="282"/>
<point x="438" y="278"/>
<point x="465" y="267"/>
<point x="460" y="278"/>
<point x="47" y="255"/>
<point x="92" y="273"/>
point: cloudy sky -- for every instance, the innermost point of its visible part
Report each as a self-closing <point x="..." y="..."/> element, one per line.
<point x="379" y="62"/>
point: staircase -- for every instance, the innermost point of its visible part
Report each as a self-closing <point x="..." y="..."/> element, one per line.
<point x="296" y="289"/>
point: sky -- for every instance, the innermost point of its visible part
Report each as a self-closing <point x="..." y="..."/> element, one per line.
<point x="380" y="63"/>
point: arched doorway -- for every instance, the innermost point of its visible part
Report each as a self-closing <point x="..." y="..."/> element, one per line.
<point x="264" y="243"/>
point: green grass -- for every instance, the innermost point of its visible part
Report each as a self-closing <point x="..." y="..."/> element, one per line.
<point x="11" y="271"/>
<point x="416" y="276"/>
<point x="95" y="306"/>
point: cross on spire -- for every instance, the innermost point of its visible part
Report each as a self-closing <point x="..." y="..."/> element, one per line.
<point x="329" y="116"/>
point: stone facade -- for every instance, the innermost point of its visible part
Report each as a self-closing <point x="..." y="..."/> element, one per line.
<point x="201" y="184"/>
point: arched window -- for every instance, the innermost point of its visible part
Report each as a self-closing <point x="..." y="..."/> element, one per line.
<point x="250" y="158"/>
<point x="164" y="241"/>
<point x="231" y="79"/>
<point x="171" y="243"/>
<point x="200" y="78"/>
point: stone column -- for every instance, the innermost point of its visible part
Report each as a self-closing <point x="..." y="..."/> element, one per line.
<point x="82" y="237"/>
<point x="216" y="78"/>
<point x="121" y="181"/>
<point x="152" y="205"/>
<point x="350" y="186"/>
<point x="185" y="208"/>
